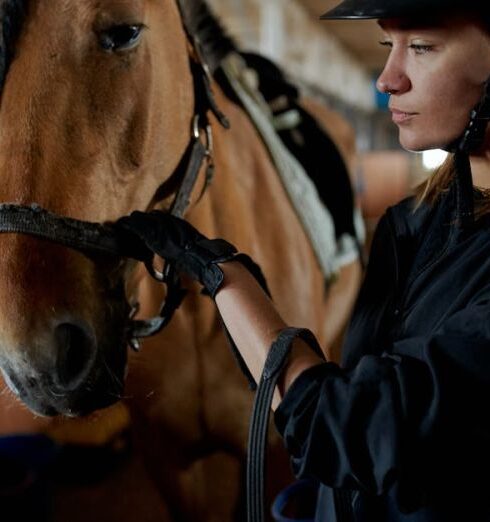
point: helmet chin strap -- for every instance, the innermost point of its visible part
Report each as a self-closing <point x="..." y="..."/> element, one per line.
<point x="471" y="140"/>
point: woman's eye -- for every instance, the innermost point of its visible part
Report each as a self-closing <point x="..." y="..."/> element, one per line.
<point x="121" y="37"/>
<point x="386" y="43"/>
<point x="421" y="49"/>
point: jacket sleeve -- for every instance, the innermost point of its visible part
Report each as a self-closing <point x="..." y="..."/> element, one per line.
<point x="418" y="415"/>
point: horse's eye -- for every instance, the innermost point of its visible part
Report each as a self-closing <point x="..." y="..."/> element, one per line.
<point x="121" y="37"/>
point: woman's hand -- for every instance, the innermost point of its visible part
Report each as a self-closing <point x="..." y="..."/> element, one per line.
<point x="246" y="309"/>
<point x="179" y="242"/>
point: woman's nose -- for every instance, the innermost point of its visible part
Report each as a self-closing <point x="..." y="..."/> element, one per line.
<point x="393" y="79"/>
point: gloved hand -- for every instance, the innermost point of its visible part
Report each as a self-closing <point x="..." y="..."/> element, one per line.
<point x="180" y="243"/>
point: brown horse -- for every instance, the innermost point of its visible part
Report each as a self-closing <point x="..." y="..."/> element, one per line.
<point x="96" y="112"/>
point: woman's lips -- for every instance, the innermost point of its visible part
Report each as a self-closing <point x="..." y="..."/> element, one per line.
<point x="401" y="116"/>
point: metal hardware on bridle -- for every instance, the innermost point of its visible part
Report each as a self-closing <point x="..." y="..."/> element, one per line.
<point x="198" y="153"/>
<point x="96" y="238"/>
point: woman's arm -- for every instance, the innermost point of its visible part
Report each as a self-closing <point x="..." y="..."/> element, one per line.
<point x="254" y="324"/>
<point x="249" y="315"/>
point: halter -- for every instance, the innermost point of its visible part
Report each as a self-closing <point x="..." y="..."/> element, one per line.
<point x="97" y="238"/>
<point x="105" y="239"/>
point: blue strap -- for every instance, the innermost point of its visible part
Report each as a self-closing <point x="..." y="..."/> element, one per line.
<point x="296" y="490"/>
<point x="32" y="451"/>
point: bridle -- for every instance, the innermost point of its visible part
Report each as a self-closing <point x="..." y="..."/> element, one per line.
<point x="106" y="239"/>
<point x="95" y="239"/>
<point x="197" y="154"/>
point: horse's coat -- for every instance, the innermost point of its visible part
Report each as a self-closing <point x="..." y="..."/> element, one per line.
<point x="92" y="135"/>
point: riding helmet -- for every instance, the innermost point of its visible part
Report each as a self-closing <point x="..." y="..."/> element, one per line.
<point x="365" y="9"/>
<point x="474" y="134"/>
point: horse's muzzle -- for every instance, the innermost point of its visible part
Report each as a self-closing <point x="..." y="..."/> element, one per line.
<point x="67" y="373"/>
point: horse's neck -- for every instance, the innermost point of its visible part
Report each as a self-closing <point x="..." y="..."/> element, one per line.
<point x="248" y="205"/>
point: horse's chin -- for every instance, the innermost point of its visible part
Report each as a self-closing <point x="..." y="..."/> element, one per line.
<point x="68" y="408"/>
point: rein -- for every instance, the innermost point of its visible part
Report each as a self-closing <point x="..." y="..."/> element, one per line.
<point x="93" y="239"/>
<point x="84" y="236"/>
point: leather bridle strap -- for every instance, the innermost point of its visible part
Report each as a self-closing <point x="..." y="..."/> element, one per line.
<point x="90" y="238"/>
<point x="199" y="154"/>
<point x="196" y="155"/>
<point x="257" y="439"/>
<point x="175" y="293"/>
<point x="84" y="236"/>
<point x="104" y="239"/>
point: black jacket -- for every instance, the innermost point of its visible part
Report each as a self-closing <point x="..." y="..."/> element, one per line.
<point x="403" y="428"/>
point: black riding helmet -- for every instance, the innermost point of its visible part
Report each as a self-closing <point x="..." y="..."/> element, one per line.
<point x="474" y="134"/>
<point x="367" y="9"/>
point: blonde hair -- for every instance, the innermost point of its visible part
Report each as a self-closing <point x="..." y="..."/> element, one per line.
<point x="429" y="191"/>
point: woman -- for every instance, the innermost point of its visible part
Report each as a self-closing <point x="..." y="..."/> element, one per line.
<point x="401" y="431"/>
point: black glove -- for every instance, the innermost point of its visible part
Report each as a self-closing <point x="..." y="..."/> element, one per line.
<point x="180" y="243"/>
<point x="192" y="253"/>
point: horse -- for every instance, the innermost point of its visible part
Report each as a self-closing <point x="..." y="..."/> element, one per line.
<point x="98" y="109"/>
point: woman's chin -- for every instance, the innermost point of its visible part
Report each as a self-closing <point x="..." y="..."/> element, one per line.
<point x="416" y="142"/>
<point x="414" y="145"/>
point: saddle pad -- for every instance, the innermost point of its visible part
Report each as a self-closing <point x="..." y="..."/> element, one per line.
<point x="314" y="216"/>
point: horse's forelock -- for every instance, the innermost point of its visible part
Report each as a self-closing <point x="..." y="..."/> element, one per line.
<point x="12" y="13"/>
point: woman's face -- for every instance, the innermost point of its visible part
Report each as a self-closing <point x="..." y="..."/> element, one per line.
<point x="435" y="74"/>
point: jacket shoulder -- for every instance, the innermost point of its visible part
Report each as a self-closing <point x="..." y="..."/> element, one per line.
<point x="408" y="217"/>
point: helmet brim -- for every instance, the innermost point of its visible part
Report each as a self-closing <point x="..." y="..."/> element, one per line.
<point x="376" y="9"/>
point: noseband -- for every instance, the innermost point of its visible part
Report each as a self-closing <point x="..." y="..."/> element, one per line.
<point x="108" y="240"/>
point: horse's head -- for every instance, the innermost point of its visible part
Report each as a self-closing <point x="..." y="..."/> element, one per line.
<point x="95" y="113"/>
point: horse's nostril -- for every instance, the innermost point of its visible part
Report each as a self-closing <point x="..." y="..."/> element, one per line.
<point x="76" y="349"/>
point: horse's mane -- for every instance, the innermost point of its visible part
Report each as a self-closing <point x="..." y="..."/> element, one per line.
<point x="12" y="14"/>
<point x="201" y="22"/>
